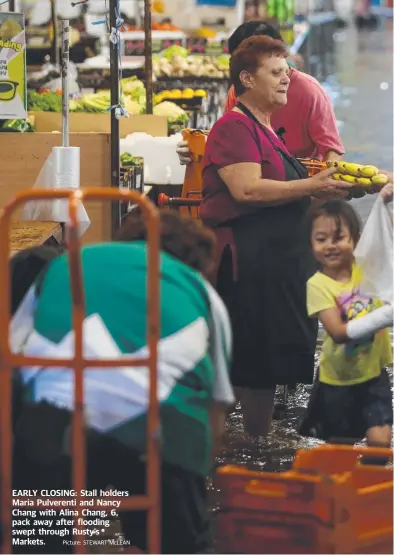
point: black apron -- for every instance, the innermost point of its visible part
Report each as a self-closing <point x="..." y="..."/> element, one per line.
<point x="274" y="340"/>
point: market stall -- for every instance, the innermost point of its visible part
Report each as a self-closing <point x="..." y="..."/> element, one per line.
<point x="96" y="125"/>
<point x="151" y="79"/>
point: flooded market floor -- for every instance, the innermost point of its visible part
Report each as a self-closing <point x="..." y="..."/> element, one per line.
<point x="362" y="91"/>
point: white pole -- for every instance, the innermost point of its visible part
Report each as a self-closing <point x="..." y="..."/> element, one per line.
<point x="64" y="67"/>
<point x="240" y="8"/>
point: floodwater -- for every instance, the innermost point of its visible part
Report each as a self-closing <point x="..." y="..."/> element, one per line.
<point x="362" y="91"/>
<point x="364" y="108"/>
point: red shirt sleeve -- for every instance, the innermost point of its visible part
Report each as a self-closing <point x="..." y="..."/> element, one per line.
<point x="232" y="141"/>
<point x="322" y="126"/>
<point x="231" y="100"/>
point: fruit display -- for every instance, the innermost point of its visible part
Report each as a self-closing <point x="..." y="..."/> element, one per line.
<point x="179" y="95"/>
<point x="133" y="99"/>
<point x="156" y="26"/>
<point x="100" y="103"/>
<point x="173" y="51"/>
<point x="205" y="33"/>
<point x="173" y="113"/>
<point x="175" y="62"/>
<point x="366" y="179"/>
<point x="45" y="101"/>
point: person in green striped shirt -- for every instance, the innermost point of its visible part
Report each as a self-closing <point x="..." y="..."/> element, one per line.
<point x="194" y="387"/>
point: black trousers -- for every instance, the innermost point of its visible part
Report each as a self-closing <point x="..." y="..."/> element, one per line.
<point x="185" y="523"/>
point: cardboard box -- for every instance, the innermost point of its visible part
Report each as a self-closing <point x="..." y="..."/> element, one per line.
<point x="24" y="154"/>
<point x="47" y="122"/>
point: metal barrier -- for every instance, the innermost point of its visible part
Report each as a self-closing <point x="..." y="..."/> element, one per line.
<point x="151" y="501"/>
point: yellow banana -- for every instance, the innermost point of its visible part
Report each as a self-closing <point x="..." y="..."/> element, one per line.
<point x="332" y="164"/>
<point x="337" y="176"/>
<point x="352" y="169"/>
<point x="360" y="171"/>
<point x="341" y="167"/>
<point x="348" y="178"/>
<point x="364" y="181"/>
<point x="380" y="179"/>
<point x="368" y="171"/>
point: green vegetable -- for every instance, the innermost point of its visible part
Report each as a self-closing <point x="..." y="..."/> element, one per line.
<point x="127" y="160"/>
<point x="175" y="50"/>
<point x="223" y="61"/>
<point x="17" y="125"/>
<point x="47" y="102"/>
<point x="133" y="107"/>
<point x="133" y="87"/>
<point x="93" y="103"/>
<point x="172" y="112"/>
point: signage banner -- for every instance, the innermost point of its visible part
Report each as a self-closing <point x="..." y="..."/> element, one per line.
<point x="221" y="3"/>
<point x="13" y="94"/>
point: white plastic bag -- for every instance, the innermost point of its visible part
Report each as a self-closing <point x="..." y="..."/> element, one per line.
<point x="374" y="252"/>
<point x="52" y="210"/>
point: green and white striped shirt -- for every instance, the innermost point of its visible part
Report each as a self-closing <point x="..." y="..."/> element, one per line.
<point x="194" y="350"/>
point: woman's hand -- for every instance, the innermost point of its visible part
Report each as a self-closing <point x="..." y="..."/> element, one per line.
<point x="324" y="186"/>
<point x="183" y="152"/>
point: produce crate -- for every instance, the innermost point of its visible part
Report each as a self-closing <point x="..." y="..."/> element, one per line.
<point x="373" y="510"/>
<point x="187" y="103"/>
<point x="203" y="116"/>
<point x="328" y="503"/>
<point x="131" y="178"/>
<point x="192" y="81"/>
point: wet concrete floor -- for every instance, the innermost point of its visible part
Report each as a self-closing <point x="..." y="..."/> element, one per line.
<point x="363" y="86"/>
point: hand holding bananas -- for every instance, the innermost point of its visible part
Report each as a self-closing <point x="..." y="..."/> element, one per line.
<point x="364" y="179"/>
<point x="323" y="183"/>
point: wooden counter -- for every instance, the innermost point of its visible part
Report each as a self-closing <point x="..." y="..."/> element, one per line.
<point x="24" y="235"/>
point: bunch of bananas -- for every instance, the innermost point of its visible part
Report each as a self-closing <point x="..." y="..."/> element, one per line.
<point x="366" y="179"/>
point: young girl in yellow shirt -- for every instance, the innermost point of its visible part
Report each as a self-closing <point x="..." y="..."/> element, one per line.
<point x="352" y="398"/>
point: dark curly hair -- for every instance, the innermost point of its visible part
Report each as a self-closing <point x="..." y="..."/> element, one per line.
<point x="252" y="29"/>
<point x="182" y="237"/>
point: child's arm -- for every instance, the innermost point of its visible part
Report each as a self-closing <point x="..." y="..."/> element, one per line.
<point x="357" y="329"/>
<point x="387" y="193"/>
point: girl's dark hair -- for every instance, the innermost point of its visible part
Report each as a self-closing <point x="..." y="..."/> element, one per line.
<point x="182" y="237"/>
<point x="341" y="212"/>
<point x="26" y="267"/>
<point x="251" y="29"/>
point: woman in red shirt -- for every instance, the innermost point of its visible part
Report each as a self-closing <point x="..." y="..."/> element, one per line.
<point x="307" y="121"/>
<point x="255" y="196"/>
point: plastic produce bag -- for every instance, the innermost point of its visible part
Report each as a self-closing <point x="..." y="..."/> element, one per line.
<point x="52" y="210"/>
<point x="374" y="252"/>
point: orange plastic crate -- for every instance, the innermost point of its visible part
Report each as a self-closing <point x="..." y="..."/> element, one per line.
<point x="373" y="486"/>
<point x="322" y="507"/>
